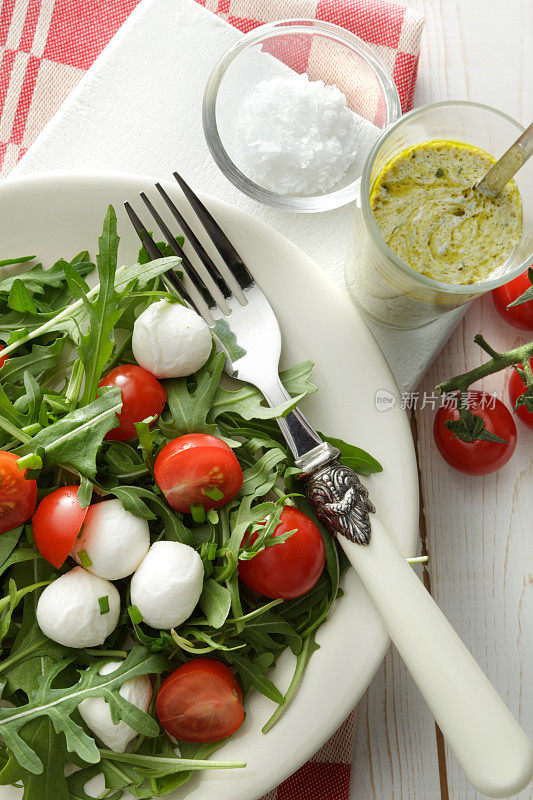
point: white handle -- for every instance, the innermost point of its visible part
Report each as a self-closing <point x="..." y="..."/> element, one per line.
<point x="491" y="747"/>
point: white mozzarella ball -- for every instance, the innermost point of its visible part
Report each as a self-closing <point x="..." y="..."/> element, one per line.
<point x="115" y="540"/>
<point x="170" y="340"/>
<point x="97" y="714"/>
<point x="168" y="584"/>
<point x="68" y="610"/>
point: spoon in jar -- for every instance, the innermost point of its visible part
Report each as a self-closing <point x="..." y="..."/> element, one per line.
<point x="506" y="166"/>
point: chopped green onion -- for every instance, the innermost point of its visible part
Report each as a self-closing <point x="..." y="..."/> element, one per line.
<point x="135" y="615"/>
<point x="198" y="512"/>
<point x="439" y="173"/>
<point x="213" y="492"/>
<point x="212" y="516"/>
<point x="85" y="561"/>
<point x="30" y="461"/>
<point x="103" y="602"/>
<point x="208" y="550"/>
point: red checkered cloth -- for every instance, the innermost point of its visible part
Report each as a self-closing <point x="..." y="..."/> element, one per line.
<point x="47" y="45"/>
<point x="45" y="48"/>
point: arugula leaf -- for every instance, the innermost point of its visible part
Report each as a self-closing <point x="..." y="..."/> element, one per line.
<point x="272" y="623"/>
<point x="215" y="602"/>
<point x="189" y="402"/>
<point x="32" y="652"/>
<point x="40" y="359"/>
<point x="309" y="647"/>
<point x="21" y="328"/>
<point x="137" y="500"/>
<point x="124" y="462"/>
<point x="8" y="262"/>
<point x="259" y="479"/>
<point x="19" y="298"/>
<point x="8" y="542"/>
<point x="356" y="458"/>
<point x="38" y="280"/>
<point x="249" y="403"/>
<point x="39" y="736"/>
<point x="76" y="438"/>
<point x="20" y="555"/>
<point x="8" y="410"/>
<point x="76" y="784"/>
<point x="95" y="345"/>
<point x="253" y="674"/>
<point x="59" y="704"/>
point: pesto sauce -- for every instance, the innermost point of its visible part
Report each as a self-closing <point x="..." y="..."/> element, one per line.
<point x="430" y="216"/>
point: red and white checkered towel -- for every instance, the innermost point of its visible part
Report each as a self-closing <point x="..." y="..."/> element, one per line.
<point x="45" y="48"/>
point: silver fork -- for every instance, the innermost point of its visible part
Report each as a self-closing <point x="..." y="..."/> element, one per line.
<point x="490" y="745"/>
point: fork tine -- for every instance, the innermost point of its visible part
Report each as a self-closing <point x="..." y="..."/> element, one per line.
<point x="232" y="259"/>
<point x="186" y="264"/>
<point x="191" y="237"/>
<point x="169" y="277"/>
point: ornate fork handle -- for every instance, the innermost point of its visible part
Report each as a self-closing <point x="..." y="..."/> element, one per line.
<point x="339" y="498"/>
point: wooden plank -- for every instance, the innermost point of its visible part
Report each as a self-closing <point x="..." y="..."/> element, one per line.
<point x="478" y="530"/>
<point x="479" y="540"/>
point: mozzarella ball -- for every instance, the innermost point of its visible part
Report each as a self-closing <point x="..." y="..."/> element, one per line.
<point x="115" y="540"/>
<point x="97" y="714"/>
<point x="68" y="610"/>
<point x="170" y="340"/>
<point x="168" y="584"/>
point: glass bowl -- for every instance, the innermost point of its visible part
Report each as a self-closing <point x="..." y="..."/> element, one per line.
<point x="385" y="288"/>
<point x="322" y="51"/>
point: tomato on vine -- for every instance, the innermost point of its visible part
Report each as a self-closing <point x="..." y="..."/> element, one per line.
<point x="520" y="316"/>
<point x="485" y="444"/>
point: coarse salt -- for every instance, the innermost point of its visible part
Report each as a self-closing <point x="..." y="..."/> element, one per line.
<point x="297" y="136"/>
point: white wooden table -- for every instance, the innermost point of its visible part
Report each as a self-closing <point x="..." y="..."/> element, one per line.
<point x="478" y="532"/>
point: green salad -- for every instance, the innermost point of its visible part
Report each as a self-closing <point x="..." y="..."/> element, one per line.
<point x="156" y="553"/>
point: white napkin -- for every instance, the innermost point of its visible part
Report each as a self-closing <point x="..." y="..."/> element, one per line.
<point x="138" y="109"/>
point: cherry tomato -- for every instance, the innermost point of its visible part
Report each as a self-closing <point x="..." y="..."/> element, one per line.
<point x="200" y="701"/>
<point x="3" y="359"/>
<point x="197" y="468"/>
<point x="480" y="457"/>
<point x="18" y="494"/>
<point x="142" y="396"/>
<point x="291" y="568"/>
<point x="517" y="386"/>
<point x="518" y="316"/>
<point x="56" y="523"/>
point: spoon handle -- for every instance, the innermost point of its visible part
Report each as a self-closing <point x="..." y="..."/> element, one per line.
<point x="506" y="166"/>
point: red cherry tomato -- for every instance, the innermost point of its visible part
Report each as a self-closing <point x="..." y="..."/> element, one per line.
<point x="197" y="468"/>
<point x="18" y="494"/>
<point x="3" y="359"/>
<point x="517" y="386"/>
<point x="200" y="701"/>
<point x="291" y="568"/>
<point x="142" y="396"/>
<point x="56" y="523"/>
<point x="518" y="316"/>
<point x="480" y="457"/>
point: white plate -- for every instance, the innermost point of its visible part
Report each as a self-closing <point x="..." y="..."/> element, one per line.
<point x="55" y="216"/>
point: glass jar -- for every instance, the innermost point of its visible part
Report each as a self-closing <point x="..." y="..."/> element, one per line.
<point x="384" y="287"/>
